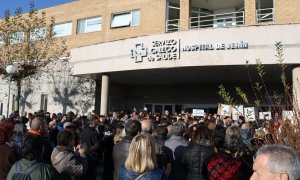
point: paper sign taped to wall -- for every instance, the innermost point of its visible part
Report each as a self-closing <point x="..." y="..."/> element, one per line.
<point x="237" y="111"/>
<point x="249" y="113"/>
<point x="287" y="115"/>
<point x="265" y="115"/>
<point x="224" y="110"/>
<point x="198" y="112"/>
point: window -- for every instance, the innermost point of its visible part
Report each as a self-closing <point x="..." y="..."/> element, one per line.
<point x="126" y="19"/>
<point x="38" y="34"/>
<point x="89" y="25"/>
<point x="16" y="38"/>
<point x="225" y="20"/>
<point x="44" y="102"/>
<point x="1" y="108"/>
<point x="63" y="29"/>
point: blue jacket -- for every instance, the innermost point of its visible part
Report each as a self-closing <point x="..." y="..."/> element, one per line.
<point x="155" y="174"/>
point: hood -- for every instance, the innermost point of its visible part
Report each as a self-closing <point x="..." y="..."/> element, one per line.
<point x="59" y="153"/>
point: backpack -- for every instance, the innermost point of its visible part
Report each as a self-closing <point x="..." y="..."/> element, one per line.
<point x="24" y="175"/>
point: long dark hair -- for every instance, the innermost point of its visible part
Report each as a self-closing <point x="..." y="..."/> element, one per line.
<point x="202" y="136"/>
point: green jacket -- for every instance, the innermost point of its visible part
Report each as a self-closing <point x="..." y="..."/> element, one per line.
<point x="43" y="172"/>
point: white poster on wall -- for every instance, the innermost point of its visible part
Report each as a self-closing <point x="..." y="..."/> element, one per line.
<point x="287" y="115"/>
<point x="249" y="113"/>
<point x="224" y="110"/>
<point x="237" y="111"/>
<point x="198" y="112"/>
<point x="265" y="115"/>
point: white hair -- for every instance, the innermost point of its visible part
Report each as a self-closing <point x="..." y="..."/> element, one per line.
<point x="281" y="159"/>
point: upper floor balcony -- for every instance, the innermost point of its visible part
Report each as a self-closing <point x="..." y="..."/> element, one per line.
<point x="215" y="13"/>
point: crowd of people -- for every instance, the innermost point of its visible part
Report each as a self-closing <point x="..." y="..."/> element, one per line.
<point x="143" y="145"/>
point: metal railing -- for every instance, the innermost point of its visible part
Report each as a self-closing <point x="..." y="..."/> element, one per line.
<point x="218" y="20"/>
<point x="172" y="25"/>
<point x="264" y="15"/>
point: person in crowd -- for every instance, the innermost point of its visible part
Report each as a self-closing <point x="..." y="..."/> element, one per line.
<point x="234" y="155"/>
<point x="2" y="117"/>
<point x="108" y="144"/>
<point x="177" y="144"/>
<point x="141" y="162"/>
<point x="276" y="162"/>
<point x="53" y="131"/>
<point x="65" y="160"/>
<point x="157" y="118"/>
<point x="8" y="154"/>
<point x="164" y="155"/>
<point x="121" y="149"/>
<point x="146" y="126"/>
<point x="134" y="116"/>
<point x="246" y="133"/>
<point x="32" y="160"/>
<point x="227" y="121"/>
<point x="24" y="118"/>
<point x="118" y="134"/>
<point x="91" y="138"/>
<point x="39" y="127"/>
<point x="73" y="128"/>
<point x="19" y="132"/>
<point x="199" y="149"/>
<point x="257" y="141"/>
<point x="60" y="125"/>
<point x="30" y="118"/>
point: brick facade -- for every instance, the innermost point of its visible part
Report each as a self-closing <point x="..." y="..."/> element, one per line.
<point x="250" y="12"/>
<point x="152" y="19"/>
<point x="287" y="11"/>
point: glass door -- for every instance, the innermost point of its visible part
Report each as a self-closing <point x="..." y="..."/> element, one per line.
<point x="160" y="108"/>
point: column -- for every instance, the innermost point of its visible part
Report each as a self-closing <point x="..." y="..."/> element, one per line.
<point x="185" y="11"/>
<point x="250" y="12"/>
<point x="104" y="94"/>
<point x="296" y="89"/>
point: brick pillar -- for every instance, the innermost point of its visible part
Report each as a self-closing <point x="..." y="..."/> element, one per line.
<point x="250" y="12"/>
<point x="185" y="11"/>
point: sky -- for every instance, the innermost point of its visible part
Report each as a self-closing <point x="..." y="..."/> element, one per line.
<point x="24" y="4"/>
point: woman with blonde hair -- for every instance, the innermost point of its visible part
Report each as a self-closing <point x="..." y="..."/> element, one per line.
<point x="141" y="162"/>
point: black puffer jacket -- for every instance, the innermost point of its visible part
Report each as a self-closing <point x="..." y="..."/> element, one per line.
<point x="120" y="153"/>
<point x="194" y="157"/>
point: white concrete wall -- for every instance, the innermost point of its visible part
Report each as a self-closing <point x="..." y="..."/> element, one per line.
<point x="116" y="56"/>
<point x="72" y="94"/>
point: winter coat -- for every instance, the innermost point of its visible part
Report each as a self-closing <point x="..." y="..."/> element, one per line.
<point x="8" y="157"/>
<point x="177" y="145"/>
<point x="155" y="174"/>
<point x="194" y="157"/>
<point x="120" y="154"/>
<point x="92" y="139"/>
<point x="65" y="160"/>
<point x="47" y="149"/>
<point x="43" y="171"/>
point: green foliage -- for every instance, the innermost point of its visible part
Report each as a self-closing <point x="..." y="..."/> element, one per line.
<point x="281" y="99"/>
<point x="27" y="42"/>
<point x="260" y="68"/>
<point x="259" y="88"/>
<point x="225" y="95"/>
<point x="242" y="94"/>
